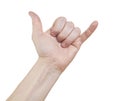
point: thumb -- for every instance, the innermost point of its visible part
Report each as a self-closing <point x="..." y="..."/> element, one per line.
<point x="36" y="23"/>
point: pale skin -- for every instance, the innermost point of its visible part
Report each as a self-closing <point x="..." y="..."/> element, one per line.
<point x="56" y="48"/>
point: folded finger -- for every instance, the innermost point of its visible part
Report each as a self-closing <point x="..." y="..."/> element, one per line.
<point x="65" y="32"/>
<point x="72" y="37"/>
<point x="58" y="26"/>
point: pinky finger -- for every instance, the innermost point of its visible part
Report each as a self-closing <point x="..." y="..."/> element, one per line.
<point x="85" y="35"/>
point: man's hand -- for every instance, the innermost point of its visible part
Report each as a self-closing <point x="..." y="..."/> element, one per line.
<point x="56" y="49"/>
<point x="61" y="42"/>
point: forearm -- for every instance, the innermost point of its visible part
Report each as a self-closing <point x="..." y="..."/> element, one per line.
<point x="36" y="85"/>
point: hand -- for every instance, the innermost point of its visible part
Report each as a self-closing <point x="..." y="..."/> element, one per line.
<point x="61" y="42"/>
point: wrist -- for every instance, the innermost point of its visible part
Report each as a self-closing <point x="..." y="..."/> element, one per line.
<point x="50" y="64"/>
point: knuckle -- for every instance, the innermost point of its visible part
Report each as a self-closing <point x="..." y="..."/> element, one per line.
<point x="87" y="33"/>
<point x="61" y="19"/>
<point x="65" y="43"/>
<point x="54" y="31"/>
<point x="77" y="30"/>
<point x="60" y="37"/>
<point x="70" y="24"/>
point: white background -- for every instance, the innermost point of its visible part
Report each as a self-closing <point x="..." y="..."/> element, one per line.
<point x="94" y="75"/>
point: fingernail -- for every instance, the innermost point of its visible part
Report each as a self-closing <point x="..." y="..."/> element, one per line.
<point x="95" y="23"/>
<point x="53" y="34"/>
<point x="64" y="45"/>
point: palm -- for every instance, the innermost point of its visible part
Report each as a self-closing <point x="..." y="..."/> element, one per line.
<point x="48" y="46"/>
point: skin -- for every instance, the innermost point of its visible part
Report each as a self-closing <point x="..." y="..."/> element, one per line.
<point x="56" y="48"/>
